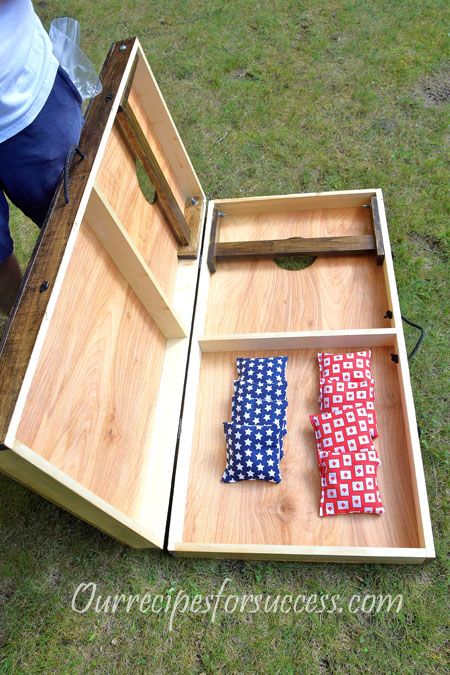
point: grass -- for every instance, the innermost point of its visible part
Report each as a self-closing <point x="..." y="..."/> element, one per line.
<point x="269" y="98"/>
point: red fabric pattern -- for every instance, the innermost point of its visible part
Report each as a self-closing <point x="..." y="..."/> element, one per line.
<point x="345" y="367"/>
<point x="336" y="396"/>
<point x="349" y="484"/>
<point x="348" y="462"/>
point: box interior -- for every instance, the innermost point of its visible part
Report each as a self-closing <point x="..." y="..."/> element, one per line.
<point x="254" y="512"/>
<point x="248" y="298"/>
<point x="92" y="408"/>
<point x="104" y="396"/>
<point x="333" y="293"/>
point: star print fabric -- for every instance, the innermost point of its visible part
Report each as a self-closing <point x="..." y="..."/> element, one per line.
<point x="254" y="437"/>
<point x="258" y="411"/>
<point x="253" y="452"/>
<point x="262" y="367"/>
<point x="269" y="390"/>
<point x="348" y="463"/>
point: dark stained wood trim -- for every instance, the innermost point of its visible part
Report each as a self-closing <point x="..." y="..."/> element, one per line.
<point x="31" y="303"/>
<point x="140" y="147"/>
<point x="193" y="215"/>
<point x="211" y="260"/>
<point x="318" y="246"/>
<point x="377" y="230"/>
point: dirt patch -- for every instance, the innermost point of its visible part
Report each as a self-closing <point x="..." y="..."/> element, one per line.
<point x="243" y="74"/>
<point x="54" y="576"/>
<point x="435" y="89"/>
<point x="7" y="589"/>
<point x="386" y="124"/>
<point x="430" y="245"/>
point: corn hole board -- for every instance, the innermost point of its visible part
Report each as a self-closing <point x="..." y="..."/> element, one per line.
<point x="117" y="364"/>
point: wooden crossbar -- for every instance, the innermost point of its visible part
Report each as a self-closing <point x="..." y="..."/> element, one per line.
<point x="140" y="147"/>
<point x="362" y="244"/>
<point x="270" y="248"/>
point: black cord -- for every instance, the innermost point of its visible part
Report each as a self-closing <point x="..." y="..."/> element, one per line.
<point x="67" y="163"/>
<point x="421" y="337"/>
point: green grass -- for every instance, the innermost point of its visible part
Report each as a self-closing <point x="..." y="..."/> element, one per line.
<point x="269" y="98"/>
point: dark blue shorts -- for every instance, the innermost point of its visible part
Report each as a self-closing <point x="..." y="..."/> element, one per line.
<point x="31" y="162"/>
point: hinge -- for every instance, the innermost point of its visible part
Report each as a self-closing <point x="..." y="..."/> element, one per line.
<point x="180" y="422"/>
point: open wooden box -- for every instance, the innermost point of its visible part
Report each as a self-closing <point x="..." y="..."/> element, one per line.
<point x="117" y="366"/>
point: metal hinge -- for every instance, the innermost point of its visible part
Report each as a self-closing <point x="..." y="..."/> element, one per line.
<point x="180" y="422"/>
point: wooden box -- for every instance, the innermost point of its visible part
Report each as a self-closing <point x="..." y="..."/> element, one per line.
<point x="117" y="365"/>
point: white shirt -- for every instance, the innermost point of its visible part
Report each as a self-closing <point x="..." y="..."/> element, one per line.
<point x="27" y="66"/>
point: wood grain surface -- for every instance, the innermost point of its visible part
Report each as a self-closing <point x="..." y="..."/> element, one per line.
<point x="361" y="244"/>
<point x="287" y="514"/>
<point x="91" y="404"/>
<point x="143" y="221"/>
<point x="333" y="293"/>
<point x="140" y="147"/>
<point x="21" y="333"/>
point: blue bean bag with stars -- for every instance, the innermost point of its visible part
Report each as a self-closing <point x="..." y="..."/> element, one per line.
<point x="253" y="452"/>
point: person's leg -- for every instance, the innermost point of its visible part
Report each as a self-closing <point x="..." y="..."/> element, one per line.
<point x="10" y="280"/>
<point x="10" y="274"/>
<point x="32" y="161"/>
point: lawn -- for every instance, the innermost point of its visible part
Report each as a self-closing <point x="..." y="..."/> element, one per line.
<point x="269" y="98"/>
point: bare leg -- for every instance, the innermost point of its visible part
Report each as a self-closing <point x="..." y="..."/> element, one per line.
<point x="10" y="278"/>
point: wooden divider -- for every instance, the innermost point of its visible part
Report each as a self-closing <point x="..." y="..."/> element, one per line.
<point x="125" y="254"/>
<point x="301" y="340"/>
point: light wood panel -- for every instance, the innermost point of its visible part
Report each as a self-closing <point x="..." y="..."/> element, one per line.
<point x="412" y="439"/>
<point x="33" y="310"/>
<point x="146" y="96"/>
<point x="369" y="337"/>
<point x="92" y="400"/>
<point x="39" y="475"/>
<point x="287" y="514"/>
<point x="143" y="221"/>
<point x="118" y="243"/>
<point x="295" y="202"/>
<point x="332" y="294"/>
<point x="341" y="554"/>
<point x="140" y="147"/>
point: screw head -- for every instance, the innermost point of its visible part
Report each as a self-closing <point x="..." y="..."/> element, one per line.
<point x="194" y="201"/>
<point x="122" y="48"/>
<point x="43" y="287"/>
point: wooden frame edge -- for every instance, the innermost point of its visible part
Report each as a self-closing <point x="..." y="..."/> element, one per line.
<point x="29" y="319"/>
<point x="36" y="473"/>
<point x="417" y="469"/>
<point x="347" y="554"/>
<point x="181" y="479"/>
<point x="295" y="202"/>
